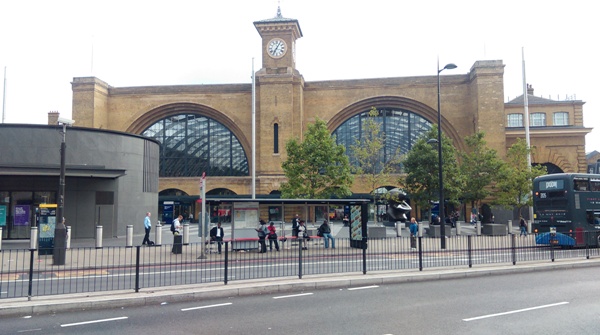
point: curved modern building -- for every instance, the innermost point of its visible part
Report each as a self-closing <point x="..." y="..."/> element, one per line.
<point x="111" y="178"/>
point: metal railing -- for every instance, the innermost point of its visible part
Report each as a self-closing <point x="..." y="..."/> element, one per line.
<point x="30" y="272"/>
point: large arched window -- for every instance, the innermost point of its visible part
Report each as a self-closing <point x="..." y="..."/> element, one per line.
<point x="192" y="144"/>
<point x="402" y="129"/>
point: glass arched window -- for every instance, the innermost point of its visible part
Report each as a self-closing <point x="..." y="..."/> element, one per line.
<point x="402" y="129"/>
<point x="192" y="144"/>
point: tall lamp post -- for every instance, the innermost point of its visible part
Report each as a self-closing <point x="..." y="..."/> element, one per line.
<point x="60" y="230"/>
<point x="449" y="66"/>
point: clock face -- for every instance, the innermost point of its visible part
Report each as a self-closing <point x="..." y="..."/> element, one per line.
<point x="276" y="48"/>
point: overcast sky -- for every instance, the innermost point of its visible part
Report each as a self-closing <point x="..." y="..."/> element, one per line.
<point x="45" y="44"/>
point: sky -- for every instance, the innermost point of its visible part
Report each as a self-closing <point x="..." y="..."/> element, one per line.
<point x="45" y="44"/>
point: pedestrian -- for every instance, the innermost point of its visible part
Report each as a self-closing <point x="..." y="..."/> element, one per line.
<point x="523" y="226"/>
<point x="191" y="217"/>
<point x="177" y="226"/>
<point x="346" y="221"/>
<point x="303" y="234"/>
<point x="273" y="236"/>
<point x="326" y="233"/>
<point x="262" y="234"/>
<point x="414" y="231"/>
<point x="147" y="227"/>
<point x="216" y="235"/>
<point x="177" y="235"/>
<point x="295" y="224"/>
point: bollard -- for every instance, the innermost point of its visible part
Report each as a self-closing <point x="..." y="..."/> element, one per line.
<point x="458" y="223"/>
<point x="33" y="242"/>
<point x="98" y="237"/>
<point x="510" y="227"/>
<point x="158" y="234"/>
<point x="68" y="237"/>
<point x="186" y="233"/>
<point x="398" y="229"/>
<point x="478" y="228"/>
<point x="129" y="236"/>
<point x="420" y="229"/>
<point x="0" y="238"/>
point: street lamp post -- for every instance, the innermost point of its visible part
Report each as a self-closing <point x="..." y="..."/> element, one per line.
<point x="449" y="66"/>
<point x="60" y="230"/>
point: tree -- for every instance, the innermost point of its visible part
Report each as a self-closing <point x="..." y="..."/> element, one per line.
<point x="368" y="152"/>
<point x="421" y="163"/>
<point x="516" y="178"/>
<point x="479" y="167"/>
<point x="316" y="167"/>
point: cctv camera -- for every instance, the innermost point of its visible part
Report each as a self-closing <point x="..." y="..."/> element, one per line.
<point x="68" y="122"/>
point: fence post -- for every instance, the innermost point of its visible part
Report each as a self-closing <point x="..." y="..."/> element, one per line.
<point x="30" y="289"/>
<point x="0" y="238"/>
<point x="513" y="239"/>
<point x="587" y="245"/>
<point x="137" y="268"/>
<point x="420" y="251"/>
<point x="470" y="250"/>
<point x="551" y="249"/>
<point x="365" y="241"/>
<point x="300" y="256"/>
<point x="225" y="268"/>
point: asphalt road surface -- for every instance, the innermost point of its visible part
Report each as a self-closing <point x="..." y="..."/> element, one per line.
<point x="547" y="302"/>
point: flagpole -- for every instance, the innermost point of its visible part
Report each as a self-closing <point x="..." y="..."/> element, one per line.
<point x="526" y="112"/>
<point x="202" y="220"/>
<point x="253" y="131"/>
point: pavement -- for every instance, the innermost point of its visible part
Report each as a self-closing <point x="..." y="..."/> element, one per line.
<point x="20" y="307"/>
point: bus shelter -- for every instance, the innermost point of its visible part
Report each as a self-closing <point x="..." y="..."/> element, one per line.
<point x="244" y="215"/>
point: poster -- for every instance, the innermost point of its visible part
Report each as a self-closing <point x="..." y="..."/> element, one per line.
<point x="21" y="215"/>
<point x="355" y="223"/>
<point x="245" y="214"/>
<point x="2" y="216"/>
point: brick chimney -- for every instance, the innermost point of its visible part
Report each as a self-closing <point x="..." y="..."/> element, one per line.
<point x="529" y="89"/>
<point x="53" y="117"/>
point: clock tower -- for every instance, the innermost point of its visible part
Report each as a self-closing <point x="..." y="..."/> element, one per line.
<point x="279" y="36"/>
<point x="279" y="94"/>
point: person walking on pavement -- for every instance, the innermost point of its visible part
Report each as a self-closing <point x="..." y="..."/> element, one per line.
<point x="414" y="231"/>
<point x="273" y="236"/>
<point x="147" y="227"/>
<point x="262" y="234"/>
<point x="523" y="226"/>
<point x="346" y="221"/>
<point x="326" y="232"/>
<point x="216" y="235"/>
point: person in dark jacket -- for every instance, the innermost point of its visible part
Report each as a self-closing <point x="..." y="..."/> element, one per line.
<point x="262" y="234"/>
<point x="326" y="233"/>
<point x="216" y="235"/>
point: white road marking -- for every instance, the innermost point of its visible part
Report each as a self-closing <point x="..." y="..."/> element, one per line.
<point x="362" y="288"/>
<point x="201" y="307"/>
<point x="29" y="330"/>
<point x="93" y="321"/>
<point x="516" y="311"/>
<point x="292" y="296"/>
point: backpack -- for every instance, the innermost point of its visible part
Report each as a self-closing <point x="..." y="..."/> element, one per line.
<point x="173" y="226"/>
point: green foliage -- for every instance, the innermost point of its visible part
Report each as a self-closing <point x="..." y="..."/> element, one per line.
<point x="369" y="154"/>
<point x="516" y="177"/>
<point x="479" y="167"/>
<point x="421" y="167"/>
<point x="316" y="167"/>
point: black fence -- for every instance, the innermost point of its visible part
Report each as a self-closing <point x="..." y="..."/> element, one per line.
<point x="28" y="273"/>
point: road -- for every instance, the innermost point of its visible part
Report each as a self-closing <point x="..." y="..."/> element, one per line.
<point x="547" y="302"/>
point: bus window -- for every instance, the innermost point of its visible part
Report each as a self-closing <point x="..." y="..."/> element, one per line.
<point x="595" y="185"/>
<point x="581" y="185"/>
